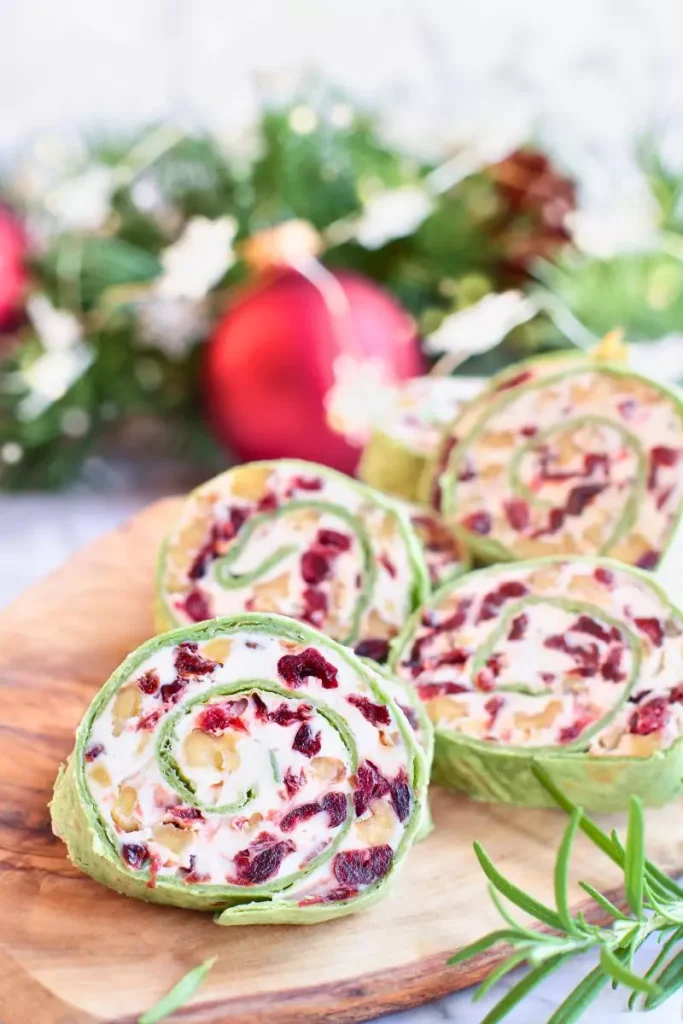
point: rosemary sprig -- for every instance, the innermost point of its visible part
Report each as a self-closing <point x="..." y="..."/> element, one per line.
<point x="655" y="905"/>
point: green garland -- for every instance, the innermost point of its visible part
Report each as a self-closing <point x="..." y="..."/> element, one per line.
<point x="137" y="352"/>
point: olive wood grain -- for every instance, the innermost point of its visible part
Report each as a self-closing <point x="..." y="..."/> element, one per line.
<point x="72" y="952"/>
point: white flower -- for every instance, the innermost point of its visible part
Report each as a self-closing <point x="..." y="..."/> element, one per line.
<point x="392" y="214"/>
<point x="481" y="326"/>
<point x="56" y="328"/>
<point x="173" y="325"/>
<point x="359" y="396"/>
<point x="198" y="259"/>
<point x="83" y="203"/>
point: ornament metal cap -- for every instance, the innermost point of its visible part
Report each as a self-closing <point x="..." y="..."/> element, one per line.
<point x="288" y="244"/>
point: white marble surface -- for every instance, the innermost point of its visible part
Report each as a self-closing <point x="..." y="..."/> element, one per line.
<point x="37" y="532"/>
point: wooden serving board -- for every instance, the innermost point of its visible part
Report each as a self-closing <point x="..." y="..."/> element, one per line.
<point x="73" y="952"/>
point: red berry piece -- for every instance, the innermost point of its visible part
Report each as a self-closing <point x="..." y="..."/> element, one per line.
<point x="306" y="742"/>
<point x="661" y="456"/>
<point x="650" y="717"/>
<point x="529" y="431"/>
<point x="149" y="722"/>
<point x="189" y="663"/>
<point x="284" y="715"/>
<point x="611" y="667"/>
<point x="376" y="714"/>
<point x="261" y="707"/>
<point x="604" y="576"/>
<point x="268" y="503"/>
<point x="401" y="796"/>
<point x="370" y="785"/>
<point x="295" y="668"/>
<point x="373" y="648"/>
<point x="262" y="858"/>
<point x="517" y="514"/>
<point x="94" y="752"/>
<point x="186" y="813"/>
<point x="197" y="607"/>
<point x="493" y="706"/>
<point x="301" y="813"/>
<point x="315" y="566"/>
<point x="411" y="715"/>
<point x="149" y="682"/>
<point x="427" y="691"/>
<point x="676" y="695"/>
<point x="311" y="483"/>
<point x="495" y="599"/>
<point x="135" y="855"/>
<point x="456" y="656"/>
<point x="315" y="605"/>
<point x="170" y="694"/>
<point x="652" y="628"/>
<point x="627" y="408"/>
<point x="518" y="627"/>
<point x="334" y="540"/>
<point x="362" y="867"/>
<point x="478" y="522"/>
<point x="585" y="624"/>
<point x="218" y="717"/>
<point x="387" y="565"/>
<point x="516" y="381"/>
<point x="570" y="732"/>
<point x="649" y="560"/>
<point x="293" y="783"/>
<point x="336" y="807"/>
<point x="581" y="496"/>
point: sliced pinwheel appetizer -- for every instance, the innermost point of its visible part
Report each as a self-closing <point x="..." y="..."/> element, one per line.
<point x="571" y="662"/>
<point x="566" y="455"/>
<point x="296" y="539"/>
<point x="445" y="553"/>
<point x="248" y="766"/>
<point x="409" y="433"/>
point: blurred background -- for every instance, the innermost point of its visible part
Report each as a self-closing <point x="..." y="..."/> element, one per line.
<point x="476" y="181"/>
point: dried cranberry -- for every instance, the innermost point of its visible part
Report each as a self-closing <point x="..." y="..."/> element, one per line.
<point x="556" y="518"/>
<point x="376" y="714"/>
<point x="519" y="627"/>
<point x="492" y="707"/>
<point x="401" y="795"/>
<point x="301" y="813"/>
<point x="293" y="783"/>
<point x="649" y="560"/>
<point x="581" y="496"/>
<point x="170" y="693"/>
<point x="652" y="628"/>
<point x="261" y="707"/>
<point x="605" y="576"/>
<point x="334" y="539"/>
<point x="387" y="565"/>
<point x="268" y="503"/>
<point x="189" y="663"/>
<point x="517" y="513"/>
<point x="336" y="807"/>
<point x="135" y="855"/>
<point x="315" y="605"/>
<point x="411" y="715"/>
<point x="217" y="717"/>
<point x="315" y="566"/>
<point x="186" y="813"/>
<point x="457" y="619"/>
<point x="362" y="867"/>
<point x="593" y="461"/>
<point x="611" y="668"/>
<point x="197" y="607"/>
<point x="285" y="716"/>
<point x="262" y="858"/>
<point x="676" y="695"/>
<point x="370" y="785"/>
<point x="310" y="483"/>
<point x="529" y="431"/>
<point x="149" y="721"/>
<point x="427" y="691"/>
<point x="306" y="742"/>
<point x="493" y="601"/>
<point x="456" y="656"/>
<point x="661" y="456"/>
<point x="94" y="751"/>
<point x="478" y="522"/>
<point x="342" y="892"/>
<point x="627" y="408"/>
<point x="570" y="732"/>
<point x="374" y="648"/>
<point x="585" y="624"/>
<point x="650" y="717"/>
<point x="587" y="657"/>
<point x="467" y="472"/>
<point x="149" y="682"/>
<point x="295" y="668"/>
<point x="516" y="381"/>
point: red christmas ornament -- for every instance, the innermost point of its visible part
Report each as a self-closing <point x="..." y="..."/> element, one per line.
<point x="298" y="359"/>
<point x="13" y="276"/>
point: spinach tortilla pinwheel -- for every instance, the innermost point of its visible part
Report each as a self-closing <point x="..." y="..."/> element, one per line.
<point x="566" y="455"/>
<point x="299" y="540"/>
<point x="249" y="766"/>
<point x="407" y="435"/>
<point x="574" y="663"/>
